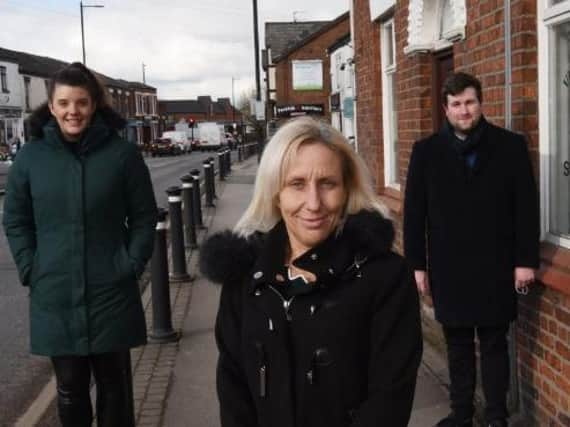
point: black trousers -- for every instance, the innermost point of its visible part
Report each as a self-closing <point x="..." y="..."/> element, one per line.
<point x="494" y="369"/>
<point x="113" y="381"/>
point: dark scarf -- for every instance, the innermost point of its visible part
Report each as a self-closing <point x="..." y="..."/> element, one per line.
<point x="470" y="144"/>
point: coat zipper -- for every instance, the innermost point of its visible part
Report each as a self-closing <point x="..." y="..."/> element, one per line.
<point x="286" y="303"/>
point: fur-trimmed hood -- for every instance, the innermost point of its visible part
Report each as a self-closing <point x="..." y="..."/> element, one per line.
<point x="228" y="258"/>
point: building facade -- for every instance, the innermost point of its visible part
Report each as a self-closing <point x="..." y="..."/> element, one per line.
<point x="11" y="113"/>
<point x="519" y="49"/>
<point x="26" y="78"/>
<point x="298" y="67"/>
<point x="342" y="88"/>
<point x="143" y="123"/>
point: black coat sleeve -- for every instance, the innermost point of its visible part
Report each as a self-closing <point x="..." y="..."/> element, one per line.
<point x="526" y="210"/>
<point x="141" y="210"/>
<point x="237" y="408"/>
<point x="415" y="210"/>
<point x="395" y="354"/>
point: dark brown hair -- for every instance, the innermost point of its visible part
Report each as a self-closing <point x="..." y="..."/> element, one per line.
<point x="78" y="75"/>
<point x="458" y="82"/>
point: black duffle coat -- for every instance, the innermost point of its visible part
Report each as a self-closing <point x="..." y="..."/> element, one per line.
<point x="480" y="222"/>
<point x="81" y="229"/>
<point x="345" y="354"/>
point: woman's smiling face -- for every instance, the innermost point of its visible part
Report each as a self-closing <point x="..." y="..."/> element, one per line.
<point x="73" y="108"/>
<point x="313" y="196"/>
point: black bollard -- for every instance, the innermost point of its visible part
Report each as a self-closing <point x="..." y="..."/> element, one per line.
<point x="189" y="223"/>
<point x="195" y="173"/>
<point x="208" y="183"/>
<point x="228" y="154"/>
<point x="161" y="315"/>
<point x="222" y="168"/>
<point x="178" y="254"/>
<point x="213" y="176"/>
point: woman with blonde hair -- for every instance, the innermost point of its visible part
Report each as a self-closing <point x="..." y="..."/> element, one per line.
<point x="318" y="323"/>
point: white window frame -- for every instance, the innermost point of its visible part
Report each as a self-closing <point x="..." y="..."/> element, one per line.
<point x="388" y="106"/>
<point x="548" y="17"/>
<point x="137" y="104"/>
<point x="27" y="92"/>
<point x="4" y="79"/>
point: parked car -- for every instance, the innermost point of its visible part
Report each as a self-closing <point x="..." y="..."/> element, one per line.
<point x="163" y="147"/>
<point x="180" y="139"/>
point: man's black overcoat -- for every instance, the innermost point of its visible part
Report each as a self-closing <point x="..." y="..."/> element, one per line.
<point x="481" y="223"/>
<point x="345" y="354"/>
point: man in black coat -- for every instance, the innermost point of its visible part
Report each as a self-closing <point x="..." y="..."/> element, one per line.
<point x="471" y="190"/>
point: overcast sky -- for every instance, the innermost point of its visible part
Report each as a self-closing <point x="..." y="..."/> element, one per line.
<point x="190" y="47"/>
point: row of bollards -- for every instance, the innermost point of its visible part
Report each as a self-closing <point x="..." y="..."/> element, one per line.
<point x="183" y="226"/>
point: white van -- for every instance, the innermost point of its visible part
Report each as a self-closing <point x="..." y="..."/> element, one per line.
<point x="212" y="135"/>
<point x="179" y="138"/>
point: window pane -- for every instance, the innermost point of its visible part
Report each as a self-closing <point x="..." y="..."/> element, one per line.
<point x="388" y="44"/>
<point x="395" y="166"/>
<point x="560" y="140"/>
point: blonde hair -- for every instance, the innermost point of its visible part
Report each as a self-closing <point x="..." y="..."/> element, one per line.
<point x="263" y="213"/>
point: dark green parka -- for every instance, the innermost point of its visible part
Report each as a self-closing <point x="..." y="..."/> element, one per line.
<point x="81" y="229"/>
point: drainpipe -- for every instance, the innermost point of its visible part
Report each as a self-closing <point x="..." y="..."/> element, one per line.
<point x="508" y="66"/>
<point x="354" y="96"/>
<point x="514" y="395"/>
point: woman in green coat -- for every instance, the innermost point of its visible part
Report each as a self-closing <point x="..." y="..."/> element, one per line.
<point x="79" y="215"/>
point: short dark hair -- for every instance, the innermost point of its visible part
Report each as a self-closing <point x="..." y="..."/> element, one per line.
<point x="458" y="82"/>
<point x="77" y="74"/>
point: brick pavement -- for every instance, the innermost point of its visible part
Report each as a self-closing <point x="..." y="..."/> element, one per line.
<point x="152" y="364"/>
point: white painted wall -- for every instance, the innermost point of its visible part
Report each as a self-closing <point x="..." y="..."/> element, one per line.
<point x="13" y="99"/>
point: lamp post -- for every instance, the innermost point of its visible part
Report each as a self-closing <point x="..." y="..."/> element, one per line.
<point x="257" y="79"/>
<point x="233" y="102"/>
<point x="81" y="7"/>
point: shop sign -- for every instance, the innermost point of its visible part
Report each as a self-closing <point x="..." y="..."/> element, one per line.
<point x="299" y="110"/>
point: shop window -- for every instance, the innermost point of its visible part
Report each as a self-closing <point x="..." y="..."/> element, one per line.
<point x="559" y="166"/>
<point x="554" y="128"/>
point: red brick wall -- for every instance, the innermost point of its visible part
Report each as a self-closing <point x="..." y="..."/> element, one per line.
<point x="369" y="89"/>
<point x="413" y="80"/>
<point x="543" y="328"/>
<point x="543" y="337"/>
<point x="315" y="49"/>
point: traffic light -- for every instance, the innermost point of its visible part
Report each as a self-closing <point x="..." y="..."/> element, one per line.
<point x="191" y="123"/>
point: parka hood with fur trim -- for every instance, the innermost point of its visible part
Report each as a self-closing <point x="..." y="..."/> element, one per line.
<point x="228" y="258"/>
